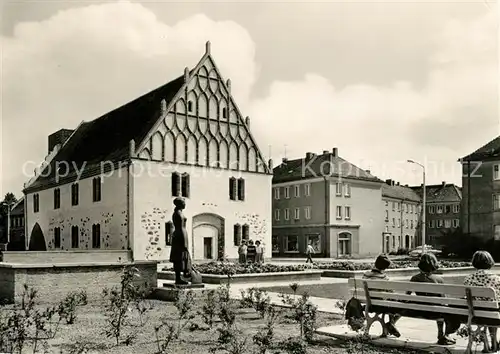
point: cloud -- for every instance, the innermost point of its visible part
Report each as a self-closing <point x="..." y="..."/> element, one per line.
<point x="83" y="62"/>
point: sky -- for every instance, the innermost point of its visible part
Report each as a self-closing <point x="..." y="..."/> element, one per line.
<point x="383" y="82"/>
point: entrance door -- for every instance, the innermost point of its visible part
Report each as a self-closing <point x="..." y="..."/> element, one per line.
<point x="207" y="247"/>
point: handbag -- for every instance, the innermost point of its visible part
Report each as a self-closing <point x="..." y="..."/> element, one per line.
<point x="196" y="277"/>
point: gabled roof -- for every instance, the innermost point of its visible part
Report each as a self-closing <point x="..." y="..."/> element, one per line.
<point x="18" y="207"/>
<point x="400" y="193"/>
<point x="440" y="193"/>
<point x="107" y="138"/>
<point x="318" y="166"/>
<point x="490" y="150"/>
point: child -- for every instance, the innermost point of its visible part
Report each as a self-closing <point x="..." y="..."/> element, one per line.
<point x="378" y="273"/>
<point x="309" y="252"/>
<point x="242" y="252"/>
<point x="427" y="265"/>
<point x="259" y="252"/>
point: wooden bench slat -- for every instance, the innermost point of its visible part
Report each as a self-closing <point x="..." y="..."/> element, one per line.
<point x="430" y="300"/>
<point x="443" y="289"/>
<point x="438" y="309"/>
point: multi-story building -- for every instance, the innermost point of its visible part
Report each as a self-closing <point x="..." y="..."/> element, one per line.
<point x="401" y="215"/>
<point x="17" y="238"/>
<point x="328" y="201"/>
<point x="481" y="192"/>
<point x="110" y="184"/>
<point x="443" y="211"/>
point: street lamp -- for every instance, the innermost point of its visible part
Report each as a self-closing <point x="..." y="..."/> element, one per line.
<point x="424" y="209"/>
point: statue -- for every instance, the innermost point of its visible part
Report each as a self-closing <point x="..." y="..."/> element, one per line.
<point x="179" y="253"/>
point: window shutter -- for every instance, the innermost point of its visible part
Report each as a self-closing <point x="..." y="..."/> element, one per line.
<point x="236" y="235"/>
<point x="185" y="185"/>
<point x="232" y="188"/>
<point x="246" y="232"/>
<point x="176" y="184"/>
<point x="241" y="189"/>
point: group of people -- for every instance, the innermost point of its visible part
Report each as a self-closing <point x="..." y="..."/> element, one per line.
<point x="250" y="252"/>
<point x="482" y="261"/>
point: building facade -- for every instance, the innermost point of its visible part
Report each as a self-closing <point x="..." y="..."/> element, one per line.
<point x="481" y="192"/>
<point x="110" y="184"/>
<point x="328" y="201"/>
<point x="443" y="211"/>
<point x="17" y="235"/>
<point x="402" y="210"/>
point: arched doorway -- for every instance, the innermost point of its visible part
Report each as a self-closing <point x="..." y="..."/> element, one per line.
<point x="37" y="240"/>
<point x="208" y="236"/>
<point x="407" y="242"/>
<point x="344" y="244"/>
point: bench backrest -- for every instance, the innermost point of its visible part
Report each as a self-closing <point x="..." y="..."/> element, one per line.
<point x="478" y="302"/>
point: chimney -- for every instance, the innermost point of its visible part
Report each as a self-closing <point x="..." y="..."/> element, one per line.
<point x="59" y="138"/>
<point x="397" y="184"/>
<point x="368" y="171"/>
<point x="207" y="47"/>
<point x="326" y="152"/>
<point x="406" y="185"/>
<point x="284" y="160"/>
<point x="186" y="74"/>
<point x="309" y="155"/>
<point x="444" y="183"/>
<point x="270" y="164"/>
<point x="389" y="182"/>
<point x="335" y="152"/>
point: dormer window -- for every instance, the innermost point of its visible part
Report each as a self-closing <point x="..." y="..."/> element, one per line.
<point x="224" y="112"/>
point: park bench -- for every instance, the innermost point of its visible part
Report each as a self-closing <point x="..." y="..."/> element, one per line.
<point x="382" y="297"/>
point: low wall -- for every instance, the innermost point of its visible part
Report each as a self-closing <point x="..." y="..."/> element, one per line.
<point x="252" y="278"/>
<point x="402" y="272"/>
<point x="54" y="281"/>
<point x="70" y="256"/>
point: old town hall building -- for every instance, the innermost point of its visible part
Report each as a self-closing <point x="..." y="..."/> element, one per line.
<point x="110" y="184"/>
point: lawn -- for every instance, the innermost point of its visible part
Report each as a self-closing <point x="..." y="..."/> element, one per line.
<point x="335" y="290"/>
<point x="86" y="335"/>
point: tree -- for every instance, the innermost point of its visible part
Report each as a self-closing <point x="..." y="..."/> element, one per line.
<point x="8" y="201"/>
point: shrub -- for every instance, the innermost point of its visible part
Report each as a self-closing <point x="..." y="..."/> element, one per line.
<point x="257" y="299"/>
<point x="209" y="308"/>
<point x="305" y="313"/>
<point x="264" y="338"/>
<point x="67" y="307"/>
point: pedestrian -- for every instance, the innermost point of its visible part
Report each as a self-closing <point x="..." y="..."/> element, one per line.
<point x="242" y="252"/>
<point x="251" y="252"/>
<point x="309" y="252"/>
<point x="259" y="253"/>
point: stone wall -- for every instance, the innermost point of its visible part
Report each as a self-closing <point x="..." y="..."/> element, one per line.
<point x="54" y="281"/>
<point x="80" y="257"/>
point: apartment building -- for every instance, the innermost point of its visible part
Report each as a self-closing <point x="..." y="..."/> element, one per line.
<point x="443" y="211"/>
<point x="328" y="201"/>
<point x="481" y="192"/>
<point x="402" y="210"/>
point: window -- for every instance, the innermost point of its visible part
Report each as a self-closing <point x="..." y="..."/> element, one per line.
<point x="315" y="241"/>
<point x="439" y="209"/>
<point x="74" y="194"/>
<point x="411" y="224"/>
<point x="74" y="237"/>
<point x="180" y="185"/>
<point x="296" y="214"/>
<point x="393" y="241"/>
<point x="432" y="224"/>
<point x="387" y="215"/>
<point x="297" y="191"/>
<point x="347" y="191"/>
<point x="432" y="209"/>
<point x="57" y="198"/>
<point x="347" y="213"/>
<point x="275" y="244"/>
<point x="338" y="189"/>
<point x="190" y="106"/>
<point x="447" y="209"/>
<point x="57" y="237"/>
<point x="339" y="212"/>
<point x="407" y="223"/>
<point x="496" y="172"/>
<point x="287" y="214"/>
<point x="287" y="192"/>
<point x="405" y="208"/>
<point x="169" y="232"/>
<point x="36" y="203"/>
<point x="276" y="214"/>
<point x="344" y="244"/>
<point x="307" y="212"/>
<point x="237" y="234"/>
<point x="96" y="189"/>
<point x="232" y="188"/>
<point x="411" y="208"/>
<point x="386" y="229"/>
<point x="224" y="112"/>
<point x="386" y="203"/>
<point x="456" y="223"/>
<point x="277" y="193"/>
<point x="496" y="201"/>
<point x="393" y="206"/>
<point x="447" y="224"/>
<point x="246" y="232"/>
<point x="399" y="222"/>
<point x="440" y="223"/>
<point x="96" y="236"/>
<point x="307" y="189"/>
<point x="456" y="208"/>
<point x="399" y="206"/>
<point x="393" y="222"/>
<point x="496" y="232"/>
<point x="291" y="243"/>
<point x="241" y="189"/>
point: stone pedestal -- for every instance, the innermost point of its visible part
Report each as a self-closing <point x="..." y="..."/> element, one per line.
<point x="170" y="291"/>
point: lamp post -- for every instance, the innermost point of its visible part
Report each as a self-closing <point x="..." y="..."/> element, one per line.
<point x="424" y="208"/>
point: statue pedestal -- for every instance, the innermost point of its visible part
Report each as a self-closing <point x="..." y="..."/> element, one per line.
<point x="170" y="291"/>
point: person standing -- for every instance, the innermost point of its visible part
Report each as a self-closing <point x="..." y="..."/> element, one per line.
<point x="259" y="253"/>
<point x="242" y="252"/>
<point x="309" y="252"/>
<point x="251" y="251"/>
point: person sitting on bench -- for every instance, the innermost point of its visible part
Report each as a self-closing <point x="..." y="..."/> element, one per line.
<point x="378" y="273"/>
<point x="428" y="265"/>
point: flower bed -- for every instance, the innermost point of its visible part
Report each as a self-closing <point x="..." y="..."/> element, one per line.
<point x="354" y="266"/>
<point x="224" y="268"/>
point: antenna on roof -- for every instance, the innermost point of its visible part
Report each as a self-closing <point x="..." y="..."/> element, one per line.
<point x="207" y="48"/>
<point x="285" y="151"/>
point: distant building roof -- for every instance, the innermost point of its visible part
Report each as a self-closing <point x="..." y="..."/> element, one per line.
<point x="490" y="150"/>
<point x="399" y="192"/>
<point x="326" y="164"/>
<point x="441" y="193"/>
